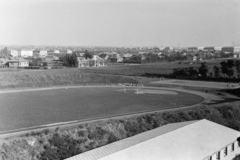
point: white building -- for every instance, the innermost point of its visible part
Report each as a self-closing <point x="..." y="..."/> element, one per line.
<point x="191" y="140"/>
<point x="236" y="55"/>
<point x="56" y="51"/>
<point x="69" y="51"/>
<point x="217" y="48"/>
<point x="43" y="53"/>
<point x="14" y="53"/>
<point x="236" y="49"/>
<point x="26" y="53"/>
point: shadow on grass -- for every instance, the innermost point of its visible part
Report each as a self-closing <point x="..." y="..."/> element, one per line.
<point x="225" y="100"/>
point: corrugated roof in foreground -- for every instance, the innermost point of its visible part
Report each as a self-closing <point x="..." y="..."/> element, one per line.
<point x="186" y="140"/>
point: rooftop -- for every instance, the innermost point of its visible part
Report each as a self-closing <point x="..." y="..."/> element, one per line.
<point x="186" y="140"/>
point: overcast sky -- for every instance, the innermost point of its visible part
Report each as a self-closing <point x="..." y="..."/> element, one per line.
<point x="120" y="22"/>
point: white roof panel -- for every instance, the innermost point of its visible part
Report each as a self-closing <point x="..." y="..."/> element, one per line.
<point x="186" y="140"/>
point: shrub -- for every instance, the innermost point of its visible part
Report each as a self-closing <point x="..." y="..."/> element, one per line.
<point x="98" y="133"/>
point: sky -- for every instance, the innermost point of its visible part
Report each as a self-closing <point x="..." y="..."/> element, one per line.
<point x="120" y="22"/>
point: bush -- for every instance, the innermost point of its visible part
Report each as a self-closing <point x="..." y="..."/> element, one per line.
<point x="97" y="134"/>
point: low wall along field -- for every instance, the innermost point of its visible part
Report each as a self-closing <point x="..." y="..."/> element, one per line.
<point x="57" y="77"/>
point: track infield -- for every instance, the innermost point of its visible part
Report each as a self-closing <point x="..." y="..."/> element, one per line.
<point x="23" y="109"/>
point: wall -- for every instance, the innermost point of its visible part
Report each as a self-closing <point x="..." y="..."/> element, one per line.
<point x="230" y="154"/>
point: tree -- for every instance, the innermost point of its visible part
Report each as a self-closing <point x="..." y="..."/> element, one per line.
<point x="88" y="55"/>
<point x="203" y="69"/>
<point x="224" y="67"/>
<point x="228" y="67"/>
<point x="217" y="71"/>
<point x="69" y="60"/>
<point x="193" y="71"/>
<point x="35" y="61"/>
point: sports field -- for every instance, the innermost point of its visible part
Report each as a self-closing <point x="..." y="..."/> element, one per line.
<point x="40" y="107"/>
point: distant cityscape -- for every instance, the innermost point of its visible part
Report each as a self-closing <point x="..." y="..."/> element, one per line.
<point x="49" y="56"/>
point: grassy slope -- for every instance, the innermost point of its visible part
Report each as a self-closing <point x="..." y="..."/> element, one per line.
<point x="28" y="78"/>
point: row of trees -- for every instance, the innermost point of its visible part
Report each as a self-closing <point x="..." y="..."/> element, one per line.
<point x="229" y="69"/>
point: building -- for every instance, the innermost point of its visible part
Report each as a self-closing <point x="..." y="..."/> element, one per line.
<point x="26" y="53"/>
<point x="193" y="49"/>
<point x="95" y="61"/>
<point x="217" y="48"/>
<point x="236" y="55"/>
<point x="194" y="58"/>
<point x="69" y="51"/>
<point x="236" y="49"/>
<point x="51" y="61"/>
<point x="168" y="49"/>
<point x="200" y="48"/>
<point x="43" y="53"/>
<point x="56" y="51"/>
<point x="228" y="49"/>
<point x="36" y="53"/>
<point x="14" y="53"/>
<point x="15" y="63"/>
<point x="190" y="140"/>
<point x="126" y="56"/>
<point x="209" y="49"/>
<point x="115" y="58"/>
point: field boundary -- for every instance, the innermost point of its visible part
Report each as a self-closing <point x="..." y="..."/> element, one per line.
<point x="17" y="132"/>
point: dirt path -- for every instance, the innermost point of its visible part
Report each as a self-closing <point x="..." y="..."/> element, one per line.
<point x="204" y="84"/>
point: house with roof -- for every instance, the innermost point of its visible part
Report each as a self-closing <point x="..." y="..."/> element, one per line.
<point x="95" y="61"/>
<point x="168" y="49"/>
<point x="43" y="53"/>
<point x="217" y="48"/>
<point x="236" y="55"/>
<point x="18" y="62"/>
<point x="69" y="51"/>
<point x="36" y="53"/>
<point x="56" y="51"/>
<point x="200" y="48"/>
<point x="52" y="61"/>
<point x="50" y="51"/>
<point x="126" y="56"/>
<point x="26" y="53"/>
<point x="190" y="140"/>
<point x="209" y="49"/>
<point x="14" y="53"/>
<point x="192" y="49"/>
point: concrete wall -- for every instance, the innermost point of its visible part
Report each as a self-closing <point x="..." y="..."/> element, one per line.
<point x="230" y="154"/>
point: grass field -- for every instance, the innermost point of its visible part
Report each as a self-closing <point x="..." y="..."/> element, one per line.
<point x="33" y="108"/>
<point x="154" y="68"/>
<point x="36" y="78"/>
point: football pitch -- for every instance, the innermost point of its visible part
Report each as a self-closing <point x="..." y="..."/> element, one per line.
<point x="23" y="109"/>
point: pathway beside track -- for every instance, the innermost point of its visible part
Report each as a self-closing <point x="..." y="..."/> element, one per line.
<point x="202" y="84"/>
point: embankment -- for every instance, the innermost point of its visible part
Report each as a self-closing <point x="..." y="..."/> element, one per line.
<point x="23" y="79"/>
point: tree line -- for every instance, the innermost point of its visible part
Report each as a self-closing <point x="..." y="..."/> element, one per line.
<point x="229" y="69"/>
